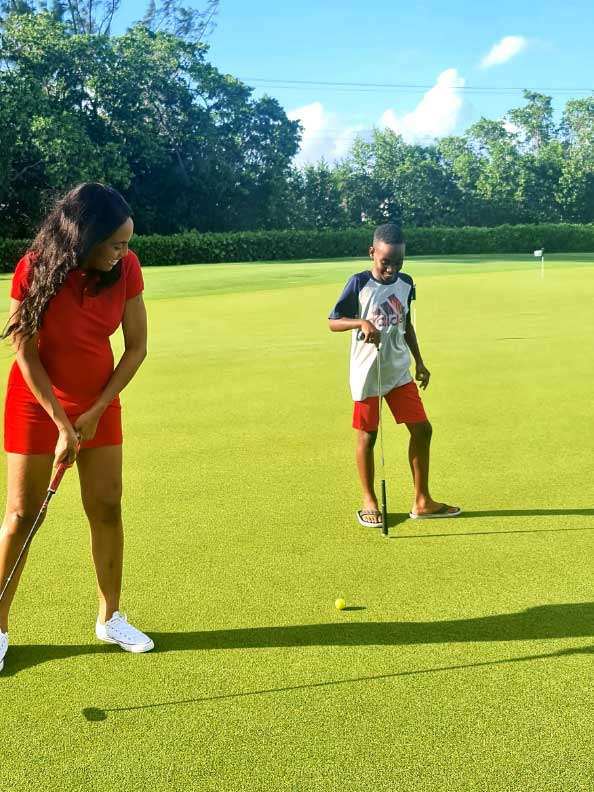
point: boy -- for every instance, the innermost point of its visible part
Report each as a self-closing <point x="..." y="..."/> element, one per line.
<point x="376" y="304"/>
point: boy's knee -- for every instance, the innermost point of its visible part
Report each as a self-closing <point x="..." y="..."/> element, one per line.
<point x="366" y="440"/>
<point x="422" y="431"/>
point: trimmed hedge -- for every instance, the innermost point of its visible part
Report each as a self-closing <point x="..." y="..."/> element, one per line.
<point x="554" y="238"/>
<point x="195" y="248"/>
<point x="11" y="251"/>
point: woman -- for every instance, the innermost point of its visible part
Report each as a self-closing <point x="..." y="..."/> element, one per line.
<point x="73" y="289"/>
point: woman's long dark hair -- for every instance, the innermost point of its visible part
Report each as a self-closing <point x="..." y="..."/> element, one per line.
<point x="88" y="215"/>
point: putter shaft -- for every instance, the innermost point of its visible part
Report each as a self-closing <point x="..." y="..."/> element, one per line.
<point x="51" y="491"/>
<point x="361" y="337"/>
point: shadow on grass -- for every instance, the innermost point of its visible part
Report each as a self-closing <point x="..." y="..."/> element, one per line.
<point x="396" y="519"/>
<point x="544" y="622"/>
<point x="97" y="714"/>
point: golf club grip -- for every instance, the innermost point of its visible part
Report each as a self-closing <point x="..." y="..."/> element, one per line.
<point x="58" y="476"/>
<point x="384" y="510"/>
<point x="361" y="337"/>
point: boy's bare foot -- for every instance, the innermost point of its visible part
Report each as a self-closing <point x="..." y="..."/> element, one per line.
<point x="369" y="514"/>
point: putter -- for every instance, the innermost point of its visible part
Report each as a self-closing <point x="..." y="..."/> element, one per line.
<point x="361" y="337"/>
<point x="54" y="484"/>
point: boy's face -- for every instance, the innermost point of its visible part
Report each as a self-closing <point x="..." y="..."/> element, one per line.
<point x="387" y="260"/>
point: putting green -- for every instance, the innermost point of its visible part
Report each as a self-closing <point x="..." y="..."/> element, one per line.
<point x="466" y="657"/>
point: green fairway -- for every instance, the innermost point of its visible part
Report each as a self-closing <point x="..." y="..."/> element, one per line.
<point x="466" y="658"/>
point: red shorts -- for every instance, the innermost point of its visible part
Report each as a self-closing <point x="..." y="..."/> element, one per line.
<point x="404" y="402"/>
<point x="28" y="429"/>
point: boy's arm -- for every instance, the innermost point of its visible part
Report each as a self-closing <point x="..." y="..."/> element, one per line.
<point x="372" y="334"/>
<point x="345" y="314"/>
<point x="422" y="373"/>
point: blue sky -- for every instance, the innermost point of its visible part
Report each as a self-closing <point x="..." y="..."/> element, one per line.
<point x="443" y="47"/>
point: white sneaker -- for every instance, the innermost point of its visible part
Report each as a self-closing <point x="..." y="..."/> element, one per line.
<point x="3" y="648"/>
<point x="118" y="631"/>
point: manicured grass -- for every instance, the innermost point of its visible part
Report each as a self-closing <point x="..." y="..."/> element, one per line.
<point x="467" y="658"/>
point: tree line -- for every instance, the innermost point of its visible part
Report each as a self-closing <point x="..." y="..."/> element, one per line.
<point x="191" y="148"/>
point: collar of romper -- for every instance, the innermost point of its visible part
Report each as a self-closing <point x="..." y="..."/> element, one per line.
<point x="85" y="279"/>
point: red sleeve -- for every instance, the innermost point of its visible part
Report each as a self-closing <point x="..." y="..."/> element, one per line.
<point x="133" y="275"/>
<point x="21" y="280"/>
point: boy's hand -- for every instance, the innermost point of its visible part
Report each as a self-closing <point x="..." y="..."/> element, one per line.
<point x="422" y="375"/>
<point x="371" y="333"/>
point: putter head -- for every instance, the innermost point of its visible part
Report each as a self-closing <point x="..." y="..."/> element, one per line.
<point x="94" y="714"/>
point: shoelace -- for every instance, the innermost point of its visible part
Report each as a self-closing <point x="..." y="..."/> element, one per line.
<point x="123" y="627"/>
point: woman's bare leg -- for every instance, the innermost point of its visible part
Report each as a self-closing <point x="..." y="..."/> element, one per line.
<point x="28" y="480"/>
<point x="100" y="473"/>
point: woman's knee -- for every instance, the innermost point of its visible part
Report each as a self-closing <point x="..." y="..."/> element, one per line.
<point x="105" y="509"/>
<point x="19" y="521"/>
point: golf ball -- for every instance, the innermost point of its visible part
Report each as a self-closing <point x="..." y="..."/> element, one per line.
<point x="340" y="604"/>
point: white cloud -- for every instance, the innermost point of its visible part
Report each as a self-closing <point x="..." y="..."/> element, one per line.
<point x="441" y="111"/>
<point x="504" y="50"/>
<point x="324" y="134"/>
<point x="438" y="113"/>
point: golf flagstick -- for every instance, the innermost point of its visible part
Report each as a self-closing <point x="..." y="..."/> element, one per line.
<point x="540" y="254"/>
<point x="54" y="484"/>
<point x="361" y="337"/>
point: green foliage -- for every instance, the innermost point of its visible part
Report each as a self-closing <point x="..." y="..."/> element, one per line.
<point x="195" y="248"/>
<point x="316" y="198"/>
<point x="192" y="149"/>
<point x="386" y="179"/>
<point x="183" y="21"/>
<point x="534" y="121"/>
<point x="95" y="17"/>
<point x="11" y="250"/>
<point x="145" y="112"/>
<point x="554" y="238"/>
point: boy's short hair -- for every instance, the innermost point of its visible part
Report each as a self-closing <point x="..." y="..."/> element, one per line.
<point x="389" y="234"/>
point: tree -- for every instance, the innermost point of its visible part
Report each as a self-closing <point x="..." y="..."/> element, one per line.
<point x="362" y="195"/>
<point x="576" y="185"/>
<point x="321" y="203"/>
<point x="183" y="21"/>
<point x="487" y="168"/>
<point x="534" y="122"/>
<point x="95" y="17"/>
<point x="145" y="112"/>
<point x="386" y="179"/>
<point x="51" y="133"/>
<point x="8" y="7"/>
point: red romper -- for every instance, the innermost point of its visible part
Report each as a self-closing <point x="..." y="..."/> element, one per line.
<point x="75" y="350"/>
